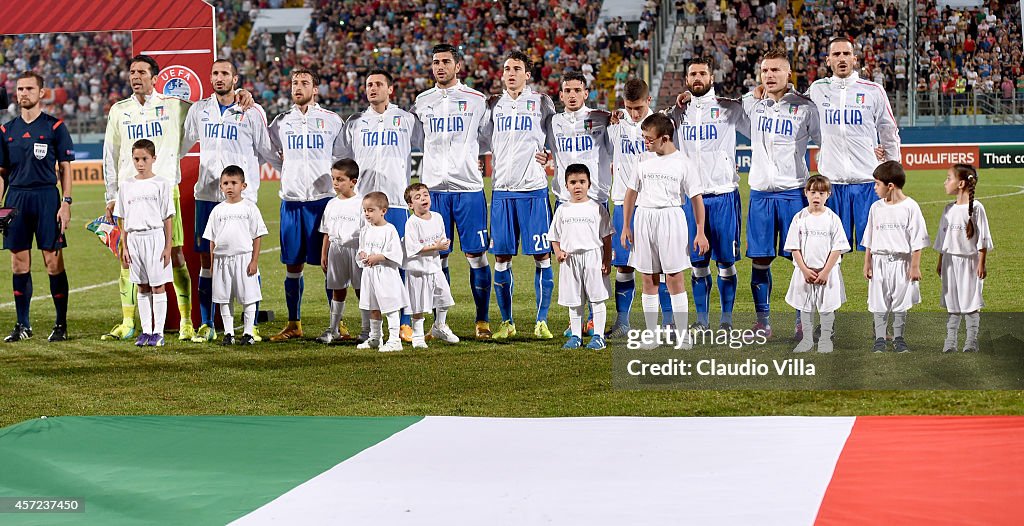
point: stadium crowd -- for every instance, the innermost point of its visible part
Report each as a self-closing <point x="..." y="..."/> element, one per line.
<point x="736" y="34"/>
<point x="970" y="50"/>
<point x="345" y="41"/>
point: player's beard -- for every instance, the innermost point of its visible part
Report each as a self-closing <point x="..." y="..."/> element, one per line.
<point x="300" y="101"/>
<point x="222" y="92"/>
<point x="703" y="90"/>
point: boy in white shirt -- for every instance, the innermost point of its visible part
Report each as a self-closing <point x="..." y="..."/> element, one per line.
<point x="144" y="209"/>
<point x="234" y="231"/>
<point x="816" y="239"/>
<point x="380" y="256"/>
<point x="893" y="239"/>
<point x="424" y="279"/>
<point x="343" y="219"/>
<point x="661" y="234"/>
<point x="581" y="237"/>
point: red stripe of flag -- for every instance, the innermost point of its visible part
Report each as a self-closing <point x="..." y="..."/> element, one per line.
<point x="928" y="470"/>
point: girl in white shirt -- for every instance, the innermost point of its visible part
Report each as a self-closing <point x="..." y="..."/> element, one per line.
<point x="816" y="239"/>
<point x="963" y="241"/>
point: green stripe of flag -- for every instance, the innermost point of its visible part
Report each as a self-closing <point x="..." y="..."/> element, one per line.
<point x="194" y="470"/>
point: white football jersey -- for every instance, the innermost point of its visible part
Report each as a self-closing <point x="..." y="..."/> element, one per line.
<point x="896" y="229"/>
<point x="454" y="122"/>
<point x="418" y="234"/>
<point x="160" y="119"/>
<point x="706" y="133"/>
<point x="580" y="227"/>
<point x="816" y="237"/>
<point x="343" y="219"/>
<point x="582" y="137"/>
<point x="143" y="204"/>
<point x="855" y="117"/>
<point x="952" y="235"/>
<point x="518" y="132"/>
<point x="381" y="144"/>
<point x="381" y="240"/>
<point x="308" y="143"/>
<point x="628" y="145"/>
<point x="233" y="227"/>
<point x="779" y="133"/>
<point x="227" y="137"/>
<point x="666" y="180"/>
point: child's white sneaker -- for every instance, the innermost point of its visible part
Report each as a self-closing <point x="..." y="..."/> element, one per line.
<point x="444" y="333"/>
<point x="370" y="343"/>
<point x="392" y="345"/>
<point x="418" y="342"/>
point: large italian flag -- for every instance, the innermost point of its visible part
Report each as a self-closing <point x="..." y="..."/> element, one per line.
<point x="519" y="471"/>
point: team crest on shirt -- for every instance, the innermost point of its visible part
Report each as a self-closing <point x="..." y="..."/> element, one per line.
<point x="397" y="121"/>
<point x="715" y="112"/>
<point x="860" y="98"/>
<point x="793" y="110"/>
<point x="161" y="112"/>
<point x="463" y="105"/>
<point x="318" y="123"/>
<point x="588" y="125"/>
<point x="531" y="105"/>
<point x="180" y="82"/>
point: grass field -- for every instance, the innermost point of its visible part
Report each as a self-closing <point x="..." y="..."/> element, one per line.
<point x="523" y="377"/>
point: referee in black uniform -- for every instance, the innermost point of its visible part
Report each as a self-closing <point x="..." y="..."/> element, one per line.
<point x="36" y="152"/>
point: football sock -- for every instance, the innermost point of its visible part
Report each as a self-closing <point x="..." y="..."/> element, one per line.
<point x="394" y="320"/>
<point x="183" y="292"/>
<point x="249" y="319"/>
<point x="576" y="321"/>
<point x="227" y="317"/>
<point x="480" y="281"/>
<point x="23" y="296"/>
<point x="761" y="288"/>
<point x="129" y="292"/>
<point x="899" y="319"/>
<point x="881" y="320"/>
<point x="665" y="300"/>
<point x="649" y="302"/>
<point x="293" y="286"/>
<point x="160" y="312"/>
<point x="701" y="281"/>
<point x="625" y="290"/>
<point x="145" y="300"/>
<point x="206" y="308"/>
<point x="503" y="288"/>
<point x="727" y="284"/>
<point x="543" y="286"/>
<point x="59" y="293"/>
<point x="600" y="317"/>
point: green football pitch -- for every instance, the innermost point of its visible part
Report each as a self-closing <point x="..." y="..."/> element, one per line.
<point x="520" y="377"/>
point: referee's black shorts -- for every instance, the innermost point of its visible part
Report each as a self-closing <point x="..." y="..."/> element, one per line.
<point x="37" y="216"/>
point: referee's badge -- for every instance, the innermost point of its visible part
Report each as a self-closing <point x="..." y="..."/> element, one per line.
<point x="40" y="151"/>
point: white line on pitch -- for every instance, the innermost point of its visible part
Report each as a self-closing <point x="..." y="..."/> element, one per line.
<point x="101" y="285"/>
<point x="1020" y="191"/>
